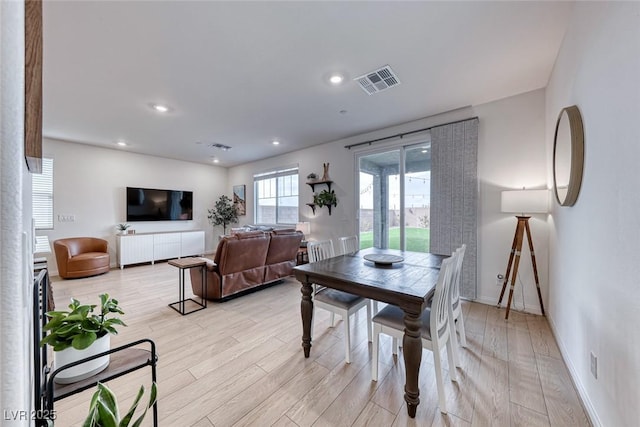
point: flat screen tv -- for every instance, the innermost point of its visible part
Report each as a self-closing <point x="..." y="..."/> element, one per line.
<point x="147" y="204"/>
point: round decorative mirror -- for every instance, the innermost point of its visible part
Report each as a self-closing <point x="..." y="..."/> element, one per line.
<point x="568" y="156"/>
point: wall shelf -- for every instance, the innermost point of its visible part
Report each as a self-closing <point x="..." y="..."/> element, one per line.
<point x="313" y="184"/>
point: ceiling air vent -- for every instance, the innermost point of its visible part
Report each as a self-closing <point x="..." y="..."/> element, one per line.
<point x="378" y="80"/>
<point x="220" y="146"/>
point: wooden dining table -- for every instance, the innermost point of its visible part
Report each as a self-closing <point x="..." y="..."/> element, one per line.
<point x="407" y="284"/>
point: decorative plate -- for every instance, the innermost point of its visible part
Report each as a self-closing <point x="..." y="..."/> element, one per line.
<point x="383" y="259"/>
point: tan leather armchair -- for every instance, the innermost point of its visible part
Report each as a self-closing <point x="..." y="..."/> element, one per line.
<point x="81" y="257"/>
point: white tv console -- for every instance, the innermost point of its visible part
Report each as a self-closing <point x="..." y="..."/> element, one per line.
<point x="151" y="247"/>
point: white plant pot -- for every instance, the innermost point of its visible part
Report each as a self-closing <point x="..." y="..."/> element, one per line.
<point x="84" y="370"/>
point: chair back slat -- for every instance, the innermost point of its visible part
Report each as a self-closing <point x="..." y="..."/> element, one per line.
<point x="320" y="250"/>
<point x="441" y="298"/>
<point x="349" y="244"/>
<point x="457" y="275"/>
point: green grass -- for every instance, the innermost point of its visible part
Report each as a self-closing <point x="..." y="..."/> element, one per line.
<point x="417" y="239"/>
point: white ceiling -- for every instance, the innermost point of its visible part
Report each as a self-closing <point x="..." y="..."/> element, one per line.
<point x="245" y="73"/>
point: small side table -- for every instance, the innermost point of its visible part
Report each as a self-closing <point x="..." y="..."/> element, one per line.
<point x="185" y="264"/>
<point x="302" y="257"/>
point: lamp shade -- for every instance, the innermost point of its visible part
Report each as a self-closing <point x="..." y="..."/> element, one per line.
<point x="305" y="227"/>
<point x="525" y="201"/>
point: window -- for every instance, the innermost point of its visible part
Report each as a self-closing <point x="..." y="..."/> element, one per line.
<point x="276" y="194"/>
<point x="395" y="198"/>
<point x="42" y="196"/>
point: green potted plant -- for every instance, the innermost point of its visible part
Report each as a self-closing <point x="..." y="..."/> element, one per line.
<point x="122" y="228"/>
<point x="103" y="410"/>
<point x="326" y="198"/>
<point x="223" y="213"/>
<point x="80" y="333"/>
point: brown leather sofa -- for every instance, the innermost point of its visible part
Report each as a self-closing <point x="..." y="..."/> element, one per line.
<point x="248" y="260"/>
<point x="81" y="257"/>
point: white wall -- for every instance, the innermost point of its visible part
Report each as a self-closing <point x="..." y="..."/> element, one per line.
<point x="90" y="183"/>
<point x="512" y="154"/>
<point x="16" y="260"/>
<point x="594" y="252"/>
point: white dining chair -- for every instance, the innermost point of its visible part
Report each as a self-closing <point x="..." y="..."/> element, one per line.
<point x="435" y="333"/>
<point x="319" y="250"/>
<point x="349" y="244"/>
<point x="456" y="307"/>
<point x="335" y="301"/>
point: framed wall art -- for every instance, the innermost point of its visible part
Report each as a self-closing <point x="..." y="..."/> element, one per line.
<point x="239" y="199"/>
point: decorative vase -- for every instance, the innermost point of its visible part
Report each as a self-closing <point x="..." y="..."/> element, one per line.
<point x="325" y="175"/>
<point x="84" y="370"/>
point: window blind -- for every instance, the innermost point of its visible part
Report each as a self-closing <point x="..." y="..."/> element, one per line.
<point x="454" y="196"/>
<point x="42" y="196"/>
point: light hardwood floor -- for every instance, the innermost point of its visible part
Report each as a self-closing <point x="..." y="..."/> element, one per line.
<point x="240" y="363"/>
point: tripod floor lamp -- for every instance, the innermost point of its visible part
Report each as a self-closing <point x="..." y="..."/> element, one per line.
<point x="522" y="202"/>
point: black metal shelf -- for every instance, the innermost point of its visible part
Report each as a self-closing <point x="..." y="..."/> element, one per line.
<point x="313" y="184"/>
<point x="124" y="359"/>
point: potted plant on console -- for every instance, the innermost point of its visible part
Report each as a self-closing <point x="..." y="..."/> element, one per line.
<point x="223" y="213"/>
<point x="122" y="228"/>
<point x="79" y="333"/>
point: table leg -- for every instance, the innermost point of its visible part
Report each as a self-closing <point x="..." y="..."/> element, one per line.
<point x="203" y="271"/>
<point x="181" y="291"/>
<point x="412" y="356"/>
<point x="306" y="309"/>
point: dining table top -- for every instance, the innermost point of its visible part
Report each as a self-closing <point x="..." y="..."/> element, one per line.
<point x="409" y="282"/>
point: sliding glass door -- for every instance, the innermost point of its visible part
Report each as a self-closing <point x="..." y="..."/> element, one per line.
<point x="394" y="198"/>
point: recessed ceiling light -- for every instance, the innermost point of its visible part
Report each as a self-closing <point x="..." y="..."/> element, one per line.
<point x="121" y="143"/>
<point x="160" y="108"/>
<point x="276" y="142"/>
<point x="336" y="79"/>
<point x="425" y="151"/>
<point x="216" y="161"/>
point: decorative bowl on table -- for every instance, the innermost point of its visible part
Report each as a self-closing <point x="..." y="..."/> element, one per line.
<point x="383" y="259"/>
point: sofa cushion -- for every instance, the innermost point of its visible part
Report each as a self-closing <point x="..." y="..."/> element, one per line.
<point x="284" y="245"/>
<point x="283" y="250"/>
<point x="242" y="251"/>
<point x="259" y="228"/>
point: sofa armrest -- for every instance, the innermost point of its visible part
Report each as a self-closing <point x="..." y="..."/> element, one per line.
<point x="211" y="265"/>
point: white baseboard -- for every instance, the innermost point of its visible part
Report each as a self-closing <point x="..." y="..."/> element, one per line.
<point x="493" y="302"/>
<point x="582" y="392"/>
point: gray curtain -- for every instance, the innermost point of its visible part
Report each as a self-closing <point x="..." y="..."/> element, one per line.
<point x="454" y="195"/>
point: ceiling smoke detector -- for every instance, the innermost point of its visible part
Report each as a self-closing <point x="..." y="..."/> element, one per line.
<point x="378" y="80"/>
<point x="219" y="146"/>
